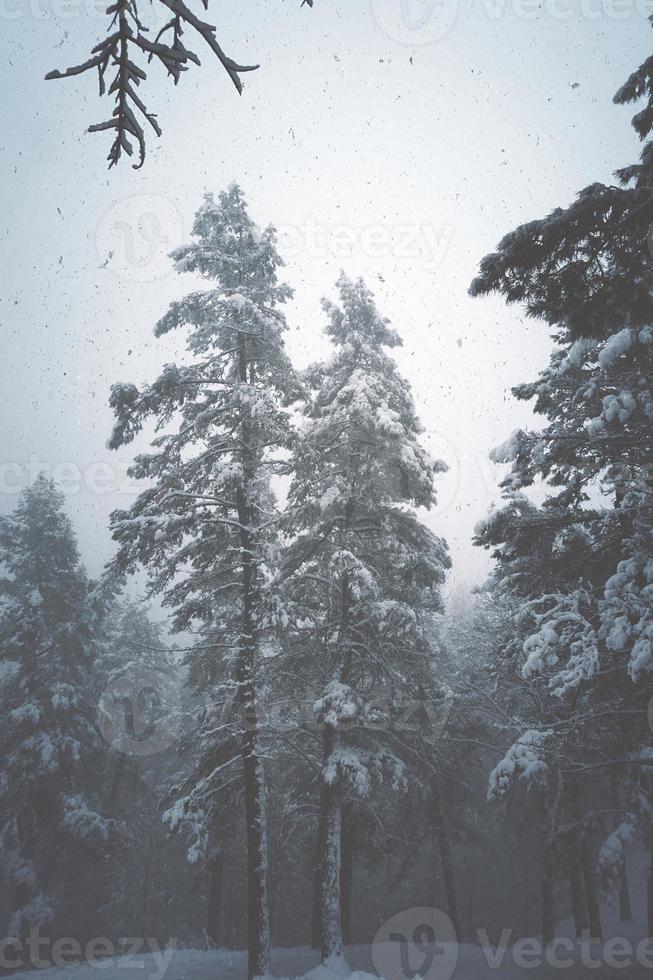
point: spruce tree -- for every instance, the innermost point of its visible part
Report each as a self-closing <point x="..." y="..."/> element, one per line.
<point x="361" y="569"/>
<point x="50" y="742"/>
<point x="205" y="528"/>
<point x="582" y="563"/>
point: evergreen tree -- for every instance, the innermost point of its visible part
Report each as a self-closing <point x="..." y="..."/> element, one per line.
<point x="582" y="564"/>
<point x="361" y="570"/>
<point x="51" y="745"/>
<point x="205" y="527"/>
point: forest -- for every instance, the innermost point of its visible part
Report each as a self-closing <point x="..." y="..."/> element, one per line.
<point x="266" y="740"/>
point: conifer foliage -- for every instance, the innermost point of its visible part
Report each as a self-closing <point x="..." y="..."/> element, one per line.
<point x="205" y="527"/>
<point x="129" y="39"/>
<point x="361" y="571"/>
<point x="50" y="742"/>
<point x="582" y="564"/>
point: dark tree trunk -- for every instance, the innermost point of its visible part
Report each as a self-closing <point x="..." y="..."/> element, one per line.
<point x="216" y="870"/>
<point x="586" y="864"/>
<point x="346" y="871"/>
<point x="548" y="932"/>
<point x="472" y="894"/>
<point x="446" y="859"/>
<point x="258" y="924"/>
<point x="578" y="897"/>
<point x="258" y="917"/>
<point x="591" y="891"/>
<point x="316" y="930"/>
<point x="625" y="910"/>
<point x="331" y="944"/>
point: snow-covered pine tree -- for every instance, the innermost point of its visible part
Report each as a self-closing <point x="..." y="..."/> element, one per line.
<point x="586" y="270"/>
<point x="205" y="527"/>
<point x="361" y="570"/>
<point x="51" y="746"/>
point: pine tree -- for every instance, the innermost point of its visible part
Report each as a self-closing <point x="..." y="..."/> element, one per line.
<point x="51" y="745"/>
<point x="206" y="527"/>
<point x="361" y="570"/>
<point x="582" y="564"/>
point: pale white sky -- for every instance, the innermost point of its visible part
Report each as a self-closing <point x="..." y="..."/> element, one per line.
<point x="398" y="139"/>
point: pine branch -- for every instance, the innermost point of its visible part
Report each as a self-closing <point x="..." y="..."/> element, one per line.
<point x="127" y="34"/>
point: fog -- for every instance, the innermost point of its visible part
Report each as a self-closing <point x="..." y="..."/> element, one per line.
<point x="398" y="153"/>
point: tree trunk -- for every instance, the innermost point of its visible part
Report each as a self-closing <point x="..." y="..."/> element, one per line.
<point x="591" y="891"/>
<point x="547" y="900"/>
<point x="258" y="916"/>
<point x="258" y="920"/>
<point x="330" y="905"/>
<point x="316" y="929"/>
<point x="586" y="864"/>
<point x="625" y="911"/>
<point x="215" y="898"/>
<point x="578" y="897"/>
<point x="446" y="859"/>
<point x="346" y="872"/>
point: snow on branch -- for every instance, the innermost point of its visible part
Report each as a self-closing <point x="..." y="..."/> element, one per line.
<point x="128" y="39"/>
<point x="523" y="761"/>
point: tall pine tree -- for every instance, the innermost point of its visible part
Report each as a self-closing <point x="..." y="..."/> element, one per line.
<point x="361" y="570"/>
<point x="582" y="564"/>
<point x="205" y="527"/>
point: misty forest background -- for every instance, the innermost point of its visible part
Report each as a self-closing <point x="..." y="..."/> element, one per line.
<point x="312" y="740"/>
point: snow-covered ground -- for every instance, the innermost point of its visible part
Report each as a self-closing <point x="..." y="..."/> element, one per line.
<point x="471" y="963"/>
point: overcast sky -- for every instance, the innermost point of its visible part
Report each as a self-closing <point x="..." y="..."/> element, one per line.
<point x="397" y="139"/>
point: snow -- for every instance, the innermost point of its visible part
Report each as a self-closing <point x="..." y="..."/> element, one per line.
<point x="238" y="301"/>
<point x="617" y="345"/>
<point x="83" y="823"/>
<point x="507" y="451"/>
<point x="328" y="498"/>
<point x="8" y="669"/>
<point x="524" y="760"/>
<point x="612" y="855"/>
<point x="577" y="354"/>
<point x="29" y="712"/>
<point x="474" y="962"/>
